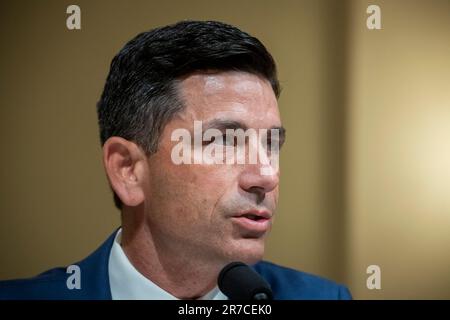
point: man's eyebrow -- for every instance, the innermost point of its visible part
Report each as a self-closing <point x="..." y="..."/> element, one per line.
<point x="223" y="124"/>
<point x="233" y="124"/>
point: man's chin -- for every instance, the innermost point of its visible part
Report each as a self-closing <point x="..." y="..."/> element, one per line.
<point x="249" y="251"/>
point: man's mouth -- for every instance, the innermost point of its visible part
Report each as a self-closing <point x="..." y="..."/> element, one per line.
<point x="253" y="217"/>
<point x="254" y="221"/>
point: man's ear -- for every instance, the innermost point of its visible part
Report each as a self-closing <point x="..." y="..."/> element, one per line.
<point x="125" y="166"/>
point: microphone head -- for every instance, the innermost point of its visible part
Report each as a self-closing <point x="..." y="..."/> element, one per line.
<point x="240" y="282"/>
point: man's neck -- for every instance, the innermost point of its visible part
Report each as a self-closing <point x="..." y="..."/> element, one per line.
<point x="178" y="273"/>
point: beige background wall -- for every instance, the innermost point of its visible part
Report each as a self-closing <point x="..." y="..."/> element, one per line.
<point x="399" y="150"/>
<point x="365" y="170"/>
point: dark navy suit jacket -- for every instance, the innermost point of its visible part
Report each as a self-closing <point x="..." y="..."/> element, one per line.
<point x="285" y="283"/>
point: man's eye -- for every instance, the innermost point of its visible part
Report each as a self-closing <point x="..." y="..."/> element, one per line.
<point x="225" y="140"/>
<point x="222" y="140"/>
<point x="273" y="143"/>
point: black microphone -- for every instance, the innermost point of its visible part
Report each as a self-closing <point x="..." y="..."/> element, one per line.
<point x="240" y="282"/>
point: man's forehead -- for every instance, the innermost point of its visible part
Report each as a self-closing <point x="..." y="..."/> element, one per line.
<point x="229" y="95"/>
<point x="217" y="82"/>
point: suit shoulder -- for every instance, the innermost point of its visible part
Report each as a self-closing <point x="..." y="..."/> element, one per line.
<point x="42" y="286"/>
<point x="290" y="284"/>
<point x="56" y="283"/>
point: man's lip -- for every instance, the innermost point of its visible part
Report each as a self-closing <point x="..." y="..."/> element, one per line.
<point x="254" y="223"/>
<point x="261" y="214"/>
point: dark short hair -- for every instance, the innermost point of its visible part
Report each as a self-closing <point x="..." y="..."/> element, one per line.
<point x="140" y="95"/>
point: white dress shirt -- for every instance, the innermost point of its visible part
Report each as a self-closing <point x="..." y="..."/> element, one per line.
<point x="127" y="283"/>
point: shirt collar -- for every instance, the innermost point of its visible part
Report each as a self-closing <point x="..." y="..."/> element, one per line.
<point x="127" y="283"/>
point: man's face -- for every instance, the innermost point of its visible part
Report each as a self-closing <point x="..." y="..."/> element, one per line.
<point x="214" y="212"/>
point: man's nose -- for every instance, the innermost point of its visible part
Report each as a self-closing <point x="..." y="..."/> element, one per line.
<point x="252" y="180"/>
